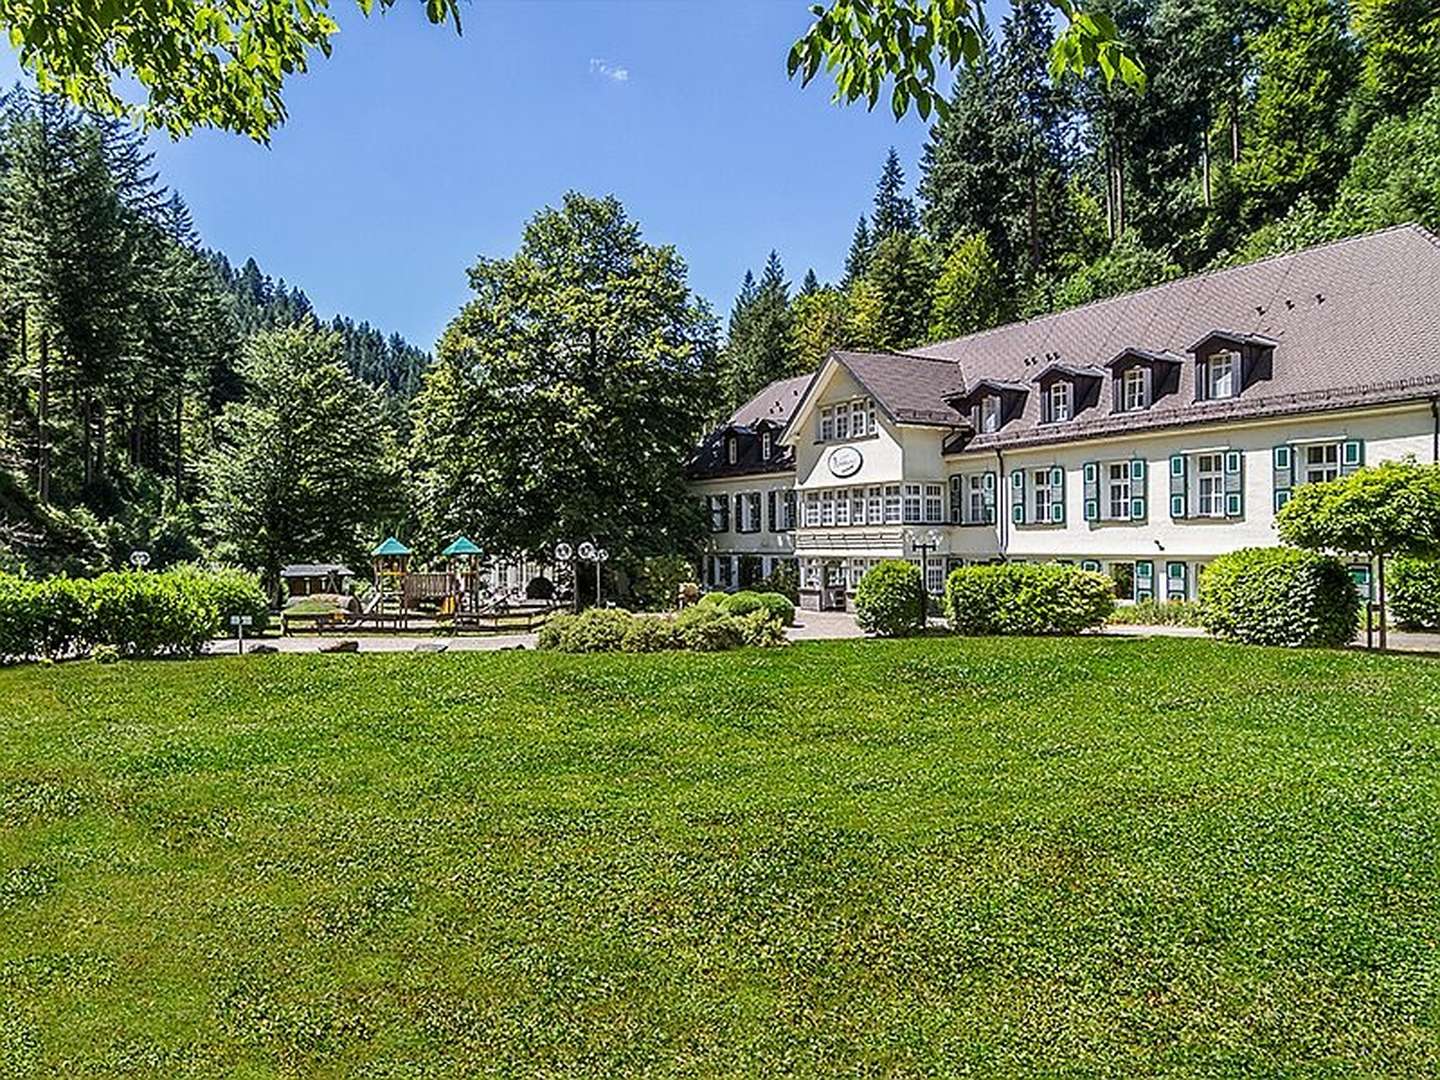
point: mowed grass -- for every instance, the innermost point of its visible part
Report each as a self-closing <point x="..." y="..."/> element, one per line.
<point x="1091" y="857"/>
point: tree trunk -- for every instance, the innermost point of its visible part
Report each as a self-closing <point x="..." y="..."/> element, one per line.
<point x="1205" y="165"/>
<point x="1234" y="129"/>
<point x="43" y="484"/>
<point x="1380" y="592"/>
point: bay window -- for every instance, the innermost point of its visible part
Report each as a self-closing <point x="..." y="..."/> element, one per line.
<point x="873" y="504"/>
<point x="934" y="504"/>
<point x="812" y="509"/>
<point x="913" y="504"/>
<point x="827" y="509"/>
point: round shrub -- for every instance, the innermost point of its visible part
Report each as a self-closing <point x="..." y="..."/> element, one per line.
<point x="888" y="598"/>
<point x="779" y="607"/>
<point x="708" y="628"/>
<point x="1412" y="592"/>
<point x="148" y="614"/>
<point x="593" y="630"/>
<point x="1027" y="598"/>
<point x="1279" y="596"/>
<point x="761" y="630"/>
<point x="650" y="633"/>
<point x="714" y="600"/>
<point x="743" y="602"/>
<point x="229" y="591"/>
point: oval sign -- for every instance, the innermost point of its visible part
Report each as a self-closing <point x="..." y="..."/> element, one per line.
<point x="845" y="461"/>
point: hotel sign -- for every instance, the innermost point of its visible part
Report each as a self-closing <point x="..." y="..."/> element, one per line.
<point x="845" y="461"/>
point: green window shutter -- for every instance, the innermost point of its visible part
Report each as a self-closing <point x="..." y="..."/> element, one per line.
<point x="989" y="484"/>
<point x="1139" y="504"/>
<point x="1352" y="456"/>
<point x="1092" y="491"/>
<point x="1175" y="585"/>
<point x="1178" y="493"/>
<point x="1017" y="496"/>
<point x="1283" y="474"/>
<point x="1234" y="484"/>
<point x="1057" y="501"/>
<point x="1144" y="580"/>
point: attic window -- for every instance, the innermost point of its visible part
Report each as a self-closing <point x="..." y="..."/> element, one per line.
<point x="1135" y="389"/>
<point x="1221" y="376"/>
<point x="990" y="413"/>
<point x="732" y="450"/>
<point x="1059" y="401"/>
<point x="766" y="445"/>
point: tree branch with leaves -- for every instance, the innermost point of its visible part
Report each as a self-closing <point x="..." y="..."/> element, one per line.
<point x="905" y="43"/>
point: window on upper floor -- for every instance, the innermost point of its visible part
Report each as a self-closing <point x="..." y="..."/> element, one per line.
<point x="1321" y="463"/>
<point x="1059" y="401"/>
<point x="1222" y="376"/>
<point x="842" y="420"/>
<point x="1210" y="485"/>
<point x="732" y="449"/>
<point x="767" y="445"/>
<point x="934" y="504"/>
<point x="1046" y="496"/>
<point x="812" y="510"/>
<point x="892" y="504"/>
<point x="827" y="424"/>
<point x="847" y="420"/>
<point x="1135" y="389"/>
<point x="989" y="413"/>
<point x="719" y="513"/>
<point x="857" y="506"/>
<point x="1117" y="490"/>
<point x="914" y="504"/>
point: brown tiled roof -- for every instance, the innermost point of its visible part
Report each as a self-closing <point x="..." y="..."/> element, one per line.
<point x="1353" y="322"/>
<point x="912" y="389"/>
<point x="776" y="402"/>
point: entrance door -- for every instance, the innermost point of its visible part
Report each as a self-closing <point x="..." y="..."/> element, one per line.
<point x="832" y="592"/>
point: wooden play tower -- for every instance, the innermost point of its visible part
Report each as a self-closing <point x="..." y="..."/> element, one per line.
<point x="391" y="561"/>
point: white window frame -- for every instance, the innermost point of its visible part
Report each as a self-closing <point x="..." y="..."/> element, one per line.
<point x="1135" y="389"/>
<point x="875" y="505"/>
<point x="767" y="445"/>
<point x="812" y="510"/>
<point x="934" y="504"/>
<point x="975" y="499"/>
<point x="732" y="449"/>
<point x="1209" y="485"/>
<point x="827" y="509"/>
<point x="1117" y="479"/>
<point x="857" y="506"/>
<point x="1328" y="468"/>
<point x="842" y="421"/>
<point x="1229" y="364"/>
<point x="1044" y="496"/>
<point x="892" y="504"/>
<point x="935" y="576"/>
<point x="1059" y="401"/>
<point x="827" y="424"/>
<point x="990" y="414"/>
<point x="913" y="508"/>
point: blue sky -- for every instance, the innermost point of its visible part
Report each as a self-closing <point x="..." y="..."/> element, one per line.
<point x="412" y="151"/>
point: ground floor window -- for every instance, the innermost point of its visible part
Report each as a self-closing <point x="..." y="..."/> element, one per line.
<point x="752" y="570"/>
<point x="1123" y="574"/>
<point x="935" y="577"/>
<point x="810" y="574"/>
<point x="724" y="571"/>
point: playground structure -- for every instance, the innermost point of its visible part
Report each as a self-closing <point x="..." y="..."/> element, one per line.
<point x="471" y="592"/>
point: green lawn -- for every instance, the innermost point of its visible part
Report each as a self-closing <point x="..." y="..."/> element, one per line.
<point x="1085" y="857"/>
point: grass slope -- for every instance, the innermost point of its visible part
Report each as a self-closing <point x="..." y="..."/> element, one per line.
<point x="1084" y="857"/>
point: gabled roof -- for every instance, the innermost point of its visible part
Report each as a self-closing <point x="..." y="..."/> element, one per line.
<point x="910" y="389"/>
<point x="1355" y="321"/>
<point x="771" y="408"/>
<point x="1144" y="354"/>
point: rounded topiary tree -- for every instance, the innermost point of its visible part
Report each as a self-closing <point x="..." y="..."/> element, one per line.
<point x="1384" y="510"/>
<point x="1414" y="593"/>
<point x="1279" y="596"/>
<point x="888" y="599"/>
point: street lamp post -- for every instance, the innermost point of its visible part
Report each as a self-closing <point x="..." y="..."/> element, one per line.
<point x="564" y="553"/>
<point x="924" y="544"/>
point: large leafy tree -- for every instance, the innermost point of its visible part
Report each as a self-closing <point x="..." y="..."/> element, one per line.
<point x="969" y="293"/>
<point x="871" y="45"/>
<point x="565" y="393"/>
<point x="1386" y="510"/>
<point x="1401" y="66"/>
<point x="304" y="467"/>
<point x="200" y="63"/>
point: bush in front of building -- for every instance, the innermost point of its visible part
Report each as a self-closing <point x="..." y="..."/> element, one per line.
<point x="700" y="628"/>
<point x="1027" y="598"/>
<point x="1414" y="588"/>
<point x="229" y="590"/>
<point x="785" y="580"/>
<point x="145" y="615"/>
<point x="1156" y="613"/>
<point x="888" y="599"/>
<point x="1279" y="596"/>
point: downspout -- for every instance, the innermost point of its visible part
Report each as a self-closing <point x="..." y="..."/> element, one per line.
<point x="1002" y="519"/>
<point x="1435" y="430"/>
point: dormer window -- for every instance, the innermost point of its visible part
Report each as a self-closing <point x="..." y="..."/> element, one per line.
<point x="990" y="413"/>
<point x="1222" y="376"/>
<point x="1135" y="389"/>
<point x="732" y="450"/>
<point x="1059" y="402"/>
<point x="767" y="444"/>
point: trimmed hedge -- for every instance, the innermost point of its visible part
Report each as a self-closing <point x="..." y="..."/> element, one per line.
<point x="887" y="600"/>
<point x="1412" y="593"/>
<point x="1279" y="596"/>
<point x="1027" y="598"/>
<point x="133" y="613"/>
<point x="746" y="601"/>
<point x="704" y="627"/>
<point x="1156" y="613"/>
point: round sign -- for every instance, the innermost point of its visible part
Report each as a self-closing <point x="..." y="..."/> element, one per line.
<point x="845" y="461"/>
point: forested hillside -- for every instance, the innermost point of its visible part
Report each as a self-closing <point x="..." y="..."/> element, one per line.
<point x="123" y="340"/>
<point x="1266" y="126"/>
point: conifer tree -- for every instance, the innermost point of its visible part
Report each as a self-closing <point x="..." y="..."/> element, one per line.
<point x="858" y="259"/>
<point x="894" y="212"/>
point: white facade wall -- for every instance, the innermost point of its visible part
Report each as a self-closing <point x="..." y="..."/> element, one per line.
<point x="722" y="567"/>
<point x="835" y="556"/>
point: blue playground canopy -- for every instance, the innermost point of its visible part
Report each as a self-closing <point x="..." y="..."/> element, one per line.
<point x="462" y="546"/>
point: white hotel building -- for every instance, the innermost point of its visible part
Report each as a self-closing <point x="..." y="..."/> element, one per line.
<point x="1140" y="436"/>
